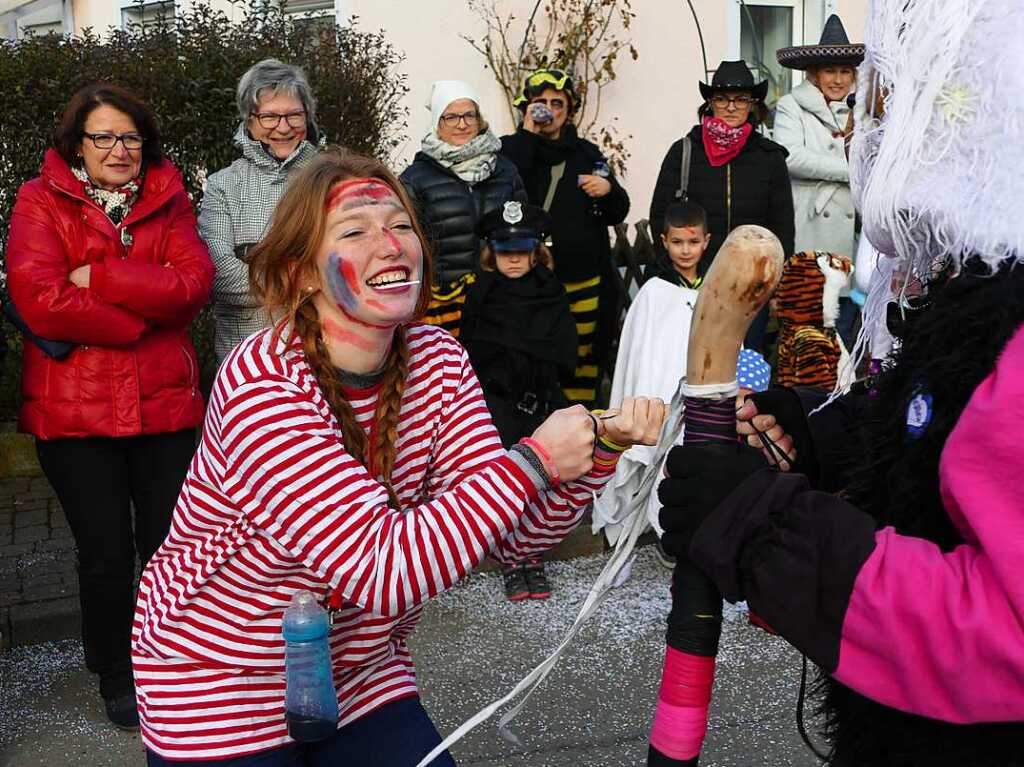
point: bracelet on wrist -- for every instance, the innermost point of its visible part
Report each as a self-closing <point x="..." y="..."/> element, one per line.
<point x="604" y="442"/>
<point x="549" y="466"/>
<point x="534" y="462"/>
<point x="613" y="447"/>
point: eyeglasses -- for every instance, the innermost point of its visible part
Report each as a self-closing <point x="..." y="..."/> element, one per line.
<point x="555" y="105"/>
<point x="130" y="141"/>
<point x="270" y="120"/>
<point x="451" y="120"/>
<point x="721" y="100"/>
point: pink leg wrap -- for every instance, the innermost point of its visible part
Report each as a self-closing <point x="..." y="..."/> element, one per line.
<point x="681" y="719"/>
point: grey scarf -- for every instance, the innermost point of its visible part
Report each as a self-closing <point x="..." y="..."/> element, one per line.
<point x="472" y="162"/>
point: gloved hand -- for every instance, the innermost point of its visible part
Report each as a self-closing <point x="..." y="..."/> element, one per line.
<point x="779" y="415"/>
<point x="699" y="479"/>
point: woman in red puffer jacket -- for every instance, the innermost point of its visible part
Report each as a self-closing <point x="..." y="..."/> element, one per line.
<point x="104" y="255"/>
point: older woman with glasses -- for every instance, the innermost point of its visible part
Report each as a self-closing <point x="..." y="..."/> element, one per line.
<point x="106" y="271"/>
<point x="456" y="178"/>
<point x="737" y="175"/>
<point x="277" y="136"/>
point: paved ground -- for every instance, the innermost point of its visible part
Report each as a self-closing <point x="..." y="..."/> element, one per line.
<point x="593" y="710"/>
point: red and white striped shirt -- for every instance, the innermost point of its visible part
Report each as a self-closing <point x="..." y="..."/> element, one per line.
<point x="273" y="504"/>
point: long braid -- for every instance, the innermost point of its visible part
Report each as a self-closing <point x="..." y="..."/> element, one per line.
<point x="307" y="325"/>
<point x="282" y="270"/>
<point x="389" y="400"/>
<point x="389" y="405"/>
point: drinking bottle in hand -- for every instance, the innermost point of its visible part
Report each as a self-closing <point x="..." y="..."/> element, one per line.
<point x="541" y="114"/>
<point x="311" y="703"/>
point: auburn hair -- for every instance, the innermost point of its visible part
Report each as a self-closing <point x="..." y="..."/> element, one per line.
<point x="541" y="255"/>
<point x="286" y="258"/>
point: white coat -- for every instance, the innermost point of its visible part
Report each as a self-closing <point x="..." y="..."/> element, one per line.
<point x="651" y="362"/>
<point x="805" y="124"/>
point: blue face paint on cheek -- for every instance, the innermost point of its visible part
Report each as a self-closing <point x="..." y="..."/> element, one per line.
<point x="341" y="283"/>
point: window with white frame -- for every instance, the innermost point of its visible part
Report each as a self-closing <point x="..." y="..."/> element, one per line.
<point x="161" y="12"/>
<point x="310" y="11"/>
<point x="763" y="27"/>
<point x="43" y="28"/>
<point x="44" y="19"/>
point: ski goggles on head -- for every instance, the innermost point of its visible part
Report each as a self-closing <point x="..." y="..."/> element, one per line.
<point x="518" y="244"/>
<point x="555" y="79"/>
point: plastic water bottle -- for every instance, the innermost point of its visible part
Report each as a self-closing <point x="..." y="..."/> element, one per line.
<point x="311" y="703"/>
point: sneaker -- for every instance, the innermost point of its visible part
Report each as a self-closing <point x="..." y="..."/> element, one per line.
<point x="515" y="583"/>
<point x="666" y="559"/>
<point x="121" y="711"/>
<point x="536" y="579"/>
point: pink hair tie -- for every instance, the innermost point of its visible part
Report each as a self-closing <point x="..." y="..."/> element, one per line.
<point x="549" y="466"/>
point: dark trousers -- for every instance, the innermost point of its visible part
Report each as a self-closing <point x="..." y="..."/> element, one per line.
<point x="398" y="734"/>
<point x="846" y="324"/>
<point x="99" y="480"/>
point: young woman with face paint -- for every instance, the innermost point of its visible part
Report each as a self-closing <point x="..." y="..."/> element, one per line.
<point x="348" y="451"/>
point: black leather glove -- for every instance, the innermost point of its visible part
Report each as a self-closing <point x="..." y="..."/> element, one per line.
<point x="699" y="479"/>
<point x="787" y="406"/>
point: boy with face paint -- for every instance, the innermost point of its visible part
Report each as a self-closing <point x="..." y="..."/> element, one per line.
<point x="348" y="452"/>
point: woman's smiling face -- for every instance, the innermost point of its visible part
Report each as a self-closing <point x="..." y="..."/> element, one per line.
<point x="370" y="260"/>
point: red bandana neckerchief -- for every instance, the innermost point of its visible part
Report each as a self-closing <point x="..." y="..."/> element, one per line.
<point x="722" y="143"/>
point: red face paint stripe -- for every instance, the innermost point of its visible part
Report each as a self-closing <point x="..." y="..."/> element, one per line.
<point x="363" y="323"/>
<point x="363" y="187"/>
<point x="349" y="273"/>
<point x="392" y="240"/>
<point x="375" y="304"/>
<point x="344" y="335"/>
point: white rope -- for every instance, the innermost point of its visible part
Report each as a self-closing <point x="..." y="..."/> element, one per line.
<point x="616" y="572"/>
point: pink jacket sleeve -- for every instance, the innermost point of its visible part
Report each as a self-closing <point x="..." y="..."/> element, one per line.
<point x="942" y="634"/>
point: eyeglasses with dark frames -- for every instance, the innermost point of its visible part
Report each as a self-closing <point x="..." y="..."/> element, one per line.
<point x="721" y="100"/>
<point x="270" y="120"/>
<point x="130" y="141"/>
<point x="451" y="119"/>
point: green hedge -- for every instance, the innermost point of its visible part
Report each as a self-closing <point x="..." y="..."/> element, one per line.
<point x="186" y="67"/>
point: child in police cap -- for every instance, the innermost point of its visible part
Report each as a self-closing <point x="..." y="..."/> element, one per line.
<point x="521" y="339"/>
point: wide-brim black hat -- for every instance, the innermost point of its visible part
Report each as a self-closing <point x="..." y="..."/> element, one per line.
<point x="734" y="76"/>
<point x="835" y="48"/>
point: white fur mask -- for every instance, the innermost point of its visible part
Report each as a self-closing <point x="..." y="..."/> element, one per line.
<point x="939" y="176"/>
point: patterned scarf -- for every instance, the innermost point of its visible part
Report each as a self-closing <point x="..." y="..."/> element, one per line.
<point x="722" y="143"/>
<point x="116" y="203"/>
<point x="472" y="162"/>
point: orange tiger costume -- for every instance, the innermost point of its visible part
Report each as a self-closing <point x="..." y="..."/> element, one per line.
<point x="809" y="352"/>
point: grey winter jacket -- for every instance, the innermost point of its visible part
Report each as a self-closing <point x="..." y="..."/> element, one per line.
<point x="235" y="212"/>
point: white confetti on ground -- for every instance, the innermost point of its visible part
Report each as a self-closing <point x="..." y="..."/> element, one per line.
<point x="472" y="646"/>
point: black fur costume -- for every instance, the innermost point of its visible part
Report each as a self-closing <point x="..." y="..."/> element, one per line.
<point x="948" y="348"/>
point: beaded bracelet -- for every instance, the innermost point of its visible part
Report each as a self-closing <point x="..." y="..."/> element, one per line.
<point x="549" y="465"/>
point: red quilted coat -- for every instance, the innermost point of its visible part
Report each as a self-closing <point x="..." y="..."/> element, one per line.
<point x="134" y="370"/>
